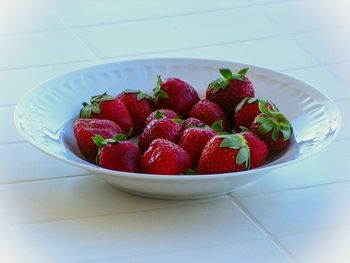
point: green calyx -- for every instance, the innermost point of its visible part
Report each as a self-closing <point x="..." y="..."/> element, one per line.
<point x="244" y="101"/>
<point x="190" y="172"/>
<point x="227" y="75"/>
<point x="178" y="121"/>
<point x="100" y="141"/>
<point x="159" y="115"/>
<point x="237" y="142"/>
<point x="139" y="94"/>
<point x="274" y="121"/>
<point x="217" y="126"/>
<point x="158" y="93"/>
<point x="94" y="107"/>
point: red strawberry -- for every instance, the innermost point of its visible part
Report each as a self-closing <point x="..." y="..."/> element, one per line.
<point x="191" y="123"/>
<point x="162" y="113"/>
<point x="193" y="140"/>
<point x="160" y="128"/>
<point x="232" y="153"/>
<point x="138" y="106"/>
<point x="118" y="155"/>
<point x="258" y="149"/>
<point x="248" y="109"/>
<point x="228" y="90"/>
<point x="165" y="157"/>
<point x="108" y="107"/>
<point x="175" y="94"/>
<point x="209" y="112"/>
<point x="86" y="129"/>
<point x="272" y="127"/>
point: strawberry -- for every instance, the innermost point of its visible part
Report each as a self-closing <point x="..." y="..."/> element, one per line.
<point x="175" y="94"/>
<point x="228" y="90"/>
<point x="209" y="112"/>
<point x="108" y="107"/>
<point x="193" y="140"/>
<point x="232" y="153"/>
<point x="159" y="128"/>
<point x="117" y="154"/>
<point x="191" y="123"/>
<point x="272" y="127"/>
<point x="248" y="109"/>
<point x="165" y="157"/>
<point x="86" y="129"/>
<point x="139" y="107"/>
<point x="162" y="113"/>
<point x="258" y="149"/>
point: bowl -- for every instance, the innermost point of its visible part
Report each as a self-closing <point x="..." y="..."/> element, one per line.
<point x="45" y="114"/>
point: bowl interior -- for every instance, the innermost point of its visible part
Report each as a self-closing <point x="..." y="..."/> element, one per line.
<point x="45" y="115"/>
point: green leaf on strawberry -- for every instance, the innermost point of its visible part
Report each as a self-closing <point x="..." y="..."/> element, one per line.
<point x="157" y="90"/>
<point x="217" y="126"/>
<point x="237" y="142"/>
<point x="272" y="120"/>
<point x="227" y="75"/>
<point x="190" y="172"/>
<point x="100" y="141"/>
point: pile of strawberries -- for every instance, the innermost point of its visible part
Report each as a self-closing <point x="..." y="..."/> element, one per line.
<point x="178" y="133"/>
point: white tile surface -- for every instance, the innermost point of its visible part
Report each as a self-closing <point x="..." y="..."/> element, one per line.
<point x="268" y="53"/>
<point x="41" y="49"/>
<point x="22" y="203"/>
<point x="303" y="174"/>
<point x="130" y="234"/>
<point x="327" y="46"/>
<point x="300" y="16"/>
<point x="297" y="211"/>
<point x="8" y="133"/>
<point x="109" y="11"/>
<point x="14" y="83"/>
<point x="341" y="70"/>
<point x="22" y="162"/>
<point x="323" y="246"/>
<point x="264" y="251"/>
<point x="174" y="33"/>
<point x="264" y="2"/>
<point x="323" y="80"/>
<point x="19" y="16"/>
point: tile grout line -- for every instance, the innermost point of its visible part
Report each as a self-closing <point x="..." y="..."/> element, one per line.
<point x="171" y="251"/>
<point x="297" y="188"/>
<point x="263" y="229"/>
<point x="45" y="179"/>
<point x="254" y="5"/>
<point x="69" y="29"/>
<point x="293" y="38"/>
<point x="181" y="203"/>
<point x="208" y="11"/>
<point x="171" y="50"/>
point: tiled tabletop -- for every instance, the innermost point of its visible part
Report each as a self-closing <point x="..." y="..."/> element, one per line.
<point x="54" y="212"/>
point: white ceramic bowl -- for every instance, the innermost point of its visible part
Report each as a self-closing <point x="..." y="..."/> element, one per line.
<point x="44" y="117"/>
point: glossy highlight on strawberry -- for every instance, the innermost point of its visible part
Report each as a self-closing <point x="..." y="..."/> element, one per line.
<point x="139" y="107"/>
<point x="106" y="107"/>
<point x="209" y="112"/>
<point x="86" y="129"/>
<point x="247" y="110"/>
<point x="273" y="127"/>
<point x="232" y="153"/>
<point x="159" y="128"/>
<point x="118" y="154"/>
<point x="228" y="90"/>
<point x="175" y="94"/>
<point x="165" y="157"/>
